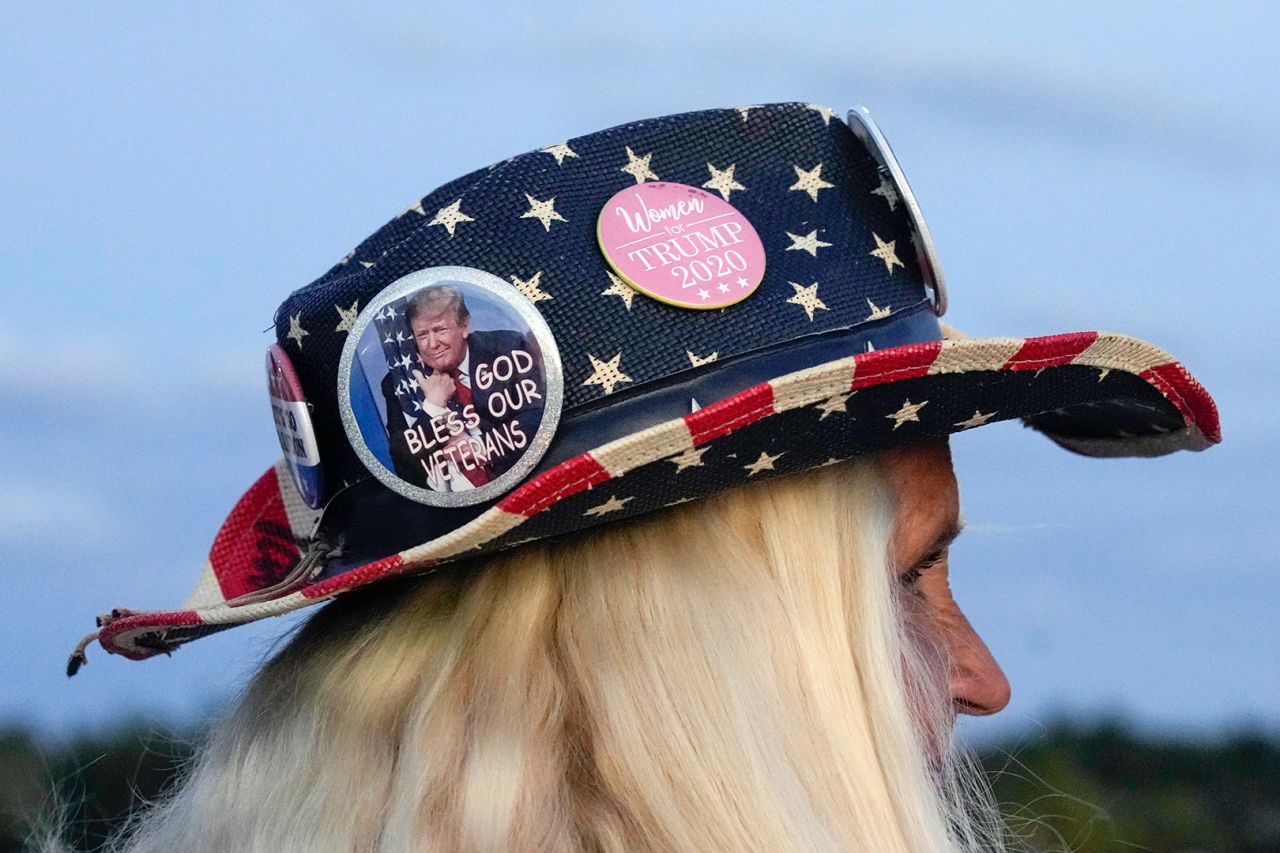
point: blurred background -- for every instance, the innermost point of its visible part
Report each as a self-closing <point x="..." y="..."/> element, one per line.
<point x="169" y="173"/>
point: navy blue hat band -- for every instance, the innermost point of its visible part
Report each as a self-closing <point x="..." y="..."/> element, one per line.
<point x="375" y="522"/>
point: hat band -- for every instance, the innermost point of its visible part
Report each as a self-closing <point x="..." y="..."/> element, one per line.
<point x="375" y="521"/>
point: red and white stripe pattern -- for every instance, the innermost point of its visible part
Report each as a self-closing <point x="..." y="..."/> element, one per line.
<point x="272" y="501"/>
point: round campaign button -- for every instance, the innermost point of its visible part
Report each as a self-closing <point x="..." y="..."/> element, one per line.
<point x="292" y="415"/>
<point x="681" y="245"/>
<point x="450" y="386"/>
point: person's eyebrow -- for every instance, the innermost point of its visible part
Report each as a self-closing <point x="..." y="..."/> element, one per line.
<point x="943" y="540"/>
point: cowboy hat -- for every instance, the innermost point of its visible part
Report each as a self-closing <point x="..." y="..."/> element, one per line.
<point x="615" y="323"/>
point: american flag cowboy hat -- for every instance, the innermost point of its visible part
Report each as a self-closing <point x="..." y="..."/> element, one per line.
<point x="616" y="323"/>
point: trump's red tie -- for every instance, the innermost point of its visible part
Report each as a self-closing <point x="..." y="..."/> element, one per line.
<point x="480" y="474"/>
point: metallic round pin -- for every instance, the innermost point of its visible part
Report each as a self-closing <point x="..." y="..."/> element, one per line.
<point x="868" y="132"/>
<point x="450" y="386"/>
<point x="681" y="245"/>
<point x="297" y="436"/>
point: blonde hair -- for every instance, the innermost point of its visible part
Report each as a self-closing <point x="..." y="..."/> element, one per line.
<point x="729" y="674"/>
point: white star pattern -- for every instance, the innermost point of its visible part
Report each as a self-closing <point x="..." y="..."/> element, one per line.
<point x="612" y="505"/>
<point x="1103" y="372"/>
<point x="810" y="181"/>
<point x="366" y="264"/>
<point x="531" y="287"/>
<point x="346" y="259"/>
<point x="832" y="405"/>
<point x="909" y="412"/>
<point x="638" y="167"/>
<point x="704" y="294"/>
<point x="807" y="298"/>
<point x="746" y="111"/>
<point x="296" y="332"/>
<point x="885" y="252"/>
<point x="450" y="216"/>
<point x="691" y="458"/>
<point x="826" y="112"/>
<point x="698" y="361"/>
<point x="694" y="405"/>
<point x="808" y="243"/>
<point x="416" y="207"/>
<point x="607" y="374"/>
<point x="722" y="181"/>
<point x="977" y="420"/>
<point x="764" y="463"/>
<point x="347" y="316"/>
<point x="618" y="287"/>
<point x="560" y="151"/>
<point x="543" y="211"/>
<point x="887" y="192"/>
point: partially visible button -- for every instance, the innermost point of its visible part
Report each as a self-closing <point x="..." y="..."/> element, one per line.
<point x="297" y="436"/>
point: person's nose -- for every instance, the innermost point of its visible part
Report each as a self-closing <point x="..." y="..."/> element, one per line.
<point x="978" y="685"/>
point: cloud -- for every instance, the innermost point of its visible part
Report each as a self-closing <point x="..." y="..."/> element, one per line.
<point x="54" y="378"/>
<point x="52" y="512"/>
<point x="1083" y="107"/>
<point x="232" y="372"/>
<point x="1047" y="90"/>
<point x="995" y="528"/>
<point x="86" y="369"/>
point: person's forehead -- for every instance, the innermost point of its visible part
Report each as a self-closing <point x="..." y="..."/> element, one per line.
<point x="926" y="494"/>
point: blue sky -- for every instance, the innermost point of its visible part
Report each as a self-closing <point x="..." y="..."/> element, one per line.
<point x="168" y="175"/>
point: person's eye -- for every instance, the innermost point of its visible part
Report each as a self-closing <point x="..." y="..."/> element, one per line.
<point x="911" y="576"/>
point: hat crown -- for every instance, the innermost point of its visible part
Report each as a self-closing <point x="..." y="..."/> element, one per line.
<point x="839" y="250"/>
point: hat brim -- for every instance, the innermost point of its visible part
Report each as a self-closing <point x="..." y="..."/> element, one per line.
<point x="1096" y="393"/>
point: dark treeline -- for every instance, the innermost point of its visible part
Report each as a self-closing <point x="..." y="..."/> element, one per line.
<point x="1100" y="786"/>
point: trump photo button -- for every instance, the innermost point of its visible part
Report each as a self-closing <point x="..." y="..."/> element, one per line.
<point x="450" y="386"/>
<point x="681" y="245"/>
<point x="292" y="416"/>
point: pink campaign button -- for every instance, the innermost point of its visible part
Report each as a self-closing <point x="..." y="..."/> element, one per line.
<point x="681" y="245"/>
